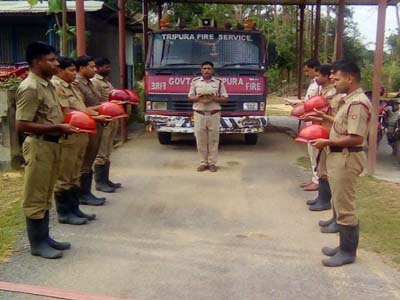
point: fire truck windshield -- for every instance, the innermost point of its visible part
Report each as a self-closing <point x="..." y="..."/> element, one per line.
<point x="233" y="50"/>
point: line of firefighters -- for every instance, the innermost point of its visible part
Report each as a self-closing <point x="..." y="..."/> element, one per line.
<point x="69" y="112"/>
<point x="338" y="114"/>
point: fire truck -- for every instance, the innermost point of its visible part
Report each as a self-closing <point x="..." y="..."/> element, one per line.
<point x="173" y="60"/>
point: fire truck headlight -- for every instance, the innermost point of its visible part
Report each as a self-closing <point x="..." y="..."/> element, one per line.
<point x="250" y="106"/>
<point x="262" y="106"/>
<point x="148" y="105"/>
<point x="159" y="105"/>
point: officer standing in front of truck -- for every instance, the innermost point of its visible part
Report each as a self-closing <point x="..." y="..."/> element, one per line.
<point x="207" y="93"/>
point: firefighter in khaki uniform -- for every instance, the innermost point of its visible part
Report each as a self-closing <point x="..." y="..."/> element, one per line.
<point x="66" y="191"/>
<point x="327" y="90"/>
<point x="102" y="162"/>
<point x="86" y="70"/>
<point x="39" y="115"/>
<point x="207" y="92"/>
<point x="346" y="159"/>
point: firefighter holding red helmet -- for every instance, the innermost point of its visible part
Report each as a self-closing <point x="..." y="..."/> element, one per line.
<point x="346" y="159"/>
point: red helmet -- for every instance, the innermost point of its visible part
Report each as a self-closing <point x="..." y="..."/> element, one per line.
<point x="312" y="132"/>
<point x="316" y="102"/>
<point x="134" y="97"/>
<point x="115" y="111"/>
<point x="83" y="121"/>
<point x="119" y="95"/>
<point x="297" y="111"/>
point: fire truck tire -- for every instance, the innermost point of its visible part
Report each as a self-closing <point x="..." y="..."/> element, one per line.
<point x="251" y="138"/>
<point x="164" y="138"/>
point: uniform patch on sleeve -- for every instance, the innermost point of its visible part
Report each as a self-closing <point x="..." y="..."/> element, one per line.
<point x="354" y="117"/>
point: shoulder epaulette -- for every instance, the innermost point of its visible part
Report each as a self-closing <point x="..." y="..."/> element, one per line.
<point x="196" y="78"/>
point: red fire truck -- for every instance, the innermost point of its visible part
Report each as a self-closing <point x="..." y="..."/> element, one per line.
<point x="173" y="60"/>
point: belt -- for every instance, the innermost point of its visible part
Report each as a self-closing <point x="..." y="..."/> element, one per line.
<point x="350" y="149"/>
<point x="212" y="112"/>
<point x="47" y="138"/>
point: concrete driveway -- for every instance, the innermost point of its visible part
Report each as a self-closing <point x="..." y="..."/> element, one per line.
<point x="173" y="233"/>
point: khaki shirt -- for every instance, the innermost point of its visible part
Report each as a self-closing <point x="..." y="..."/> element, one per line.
<point x="68" y="95"/>
<point x="37" y="102"/>
<point x="214" y="86"/>
<point x="353" y="116"/>
<point x="86" y="87"/>
<point x="103" y="86"/>
<point x="328" y="92"/>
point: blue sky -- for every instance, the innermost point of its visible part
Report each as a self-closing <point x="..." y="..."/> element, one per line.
<point x="366" y="19"/>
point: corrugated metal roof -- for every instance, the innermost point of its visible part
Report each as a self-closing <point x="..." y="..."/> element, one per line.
<point x="287" y="2"/>
<point x="21" y="7"/>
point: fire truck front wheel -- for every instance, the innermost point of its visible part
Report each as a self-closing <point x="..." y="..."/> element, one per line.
<point x="251" y="138"/>
<point x="164" y="138"/>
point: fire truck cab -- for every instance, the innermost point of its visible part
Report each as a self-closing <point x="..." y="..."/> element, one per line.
<point x="173" y="60"/>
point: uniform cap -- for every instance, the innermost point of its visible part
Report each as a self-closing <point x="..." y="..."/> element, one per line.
<point x="115" y="111"/>
<point x="312" y="132"/>
<point x="83" y="121"/>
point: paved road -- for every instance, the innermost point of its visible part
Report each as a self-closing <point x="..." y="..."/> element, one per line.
<point x="172" y="233"/>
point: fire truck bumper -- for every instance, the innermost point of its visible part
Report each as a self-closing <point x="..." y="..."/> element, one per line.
<point x="185" y="124"/>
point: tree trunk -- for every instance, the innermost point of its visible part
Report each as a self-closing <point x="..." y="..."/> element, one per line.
<point x="326" y="34"/>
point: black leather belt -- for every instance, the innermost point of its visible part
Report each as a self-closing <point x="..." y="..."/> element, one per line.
<point x="350" y="149"/>
<point x="212" y="112"/>
<point x="47" y="138"/>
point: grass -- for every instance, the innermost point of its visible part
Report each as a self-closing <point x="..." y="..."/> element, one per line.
<point x="379" y="210"/>
<point x="12" y="218"/>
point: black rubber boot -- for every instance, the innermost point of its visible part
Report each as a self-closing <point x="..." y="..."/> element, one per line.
<point x="349" y="236"/>
<point x="328" y="251"/>
<point x="64" y="204"/>
<point x="100" y="176"/>
<point x="327" y="222"/>
<point x="53" y="243"/>
<point x="37" y="235"/>
<point x="313" y="201"/>
<point x="85" y="195"/>
<point x="324" y="197"/>
<point x="331" y="228"/>
<point x="75" y="205"/>
<point x="114" y="185"/>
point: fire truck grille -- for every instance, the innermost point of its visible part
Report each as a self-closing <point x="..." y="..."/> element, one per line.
<point x="183" y="106"/>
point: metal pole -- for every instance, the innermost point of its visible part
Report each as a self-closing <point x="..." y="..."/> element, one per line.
<point x="340" y="30"/>
<point x="122" y="43"/>
<point x="80" y="28"/>
<point x="145" y="26"/>
<point x="159" y="12"/>
<point x="64" y="28"/>
<point x="122" y="60"/>
<point x="317" y="29"/>
<point x="301" y="49"/>
<point x="376" y="82"/>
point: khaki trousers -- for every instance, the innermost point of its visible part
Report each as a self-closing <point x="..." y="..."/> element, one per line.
<point x="322" y="171"/>
<point x="206" y="131"/>
<point x="343" y="170"/>
<point x="107" y="142"/>
<point x="42" y="160"/>
<point x="72" y="153"/>
<point x="92" y="149"/>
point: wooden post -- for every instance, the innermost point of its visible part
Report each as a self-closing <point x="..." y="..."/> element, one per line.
<point x="376" y="82"/>
<point x="301" y="49"/>
<point x="80" y="27"/>
<point x="340" y="30"/>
